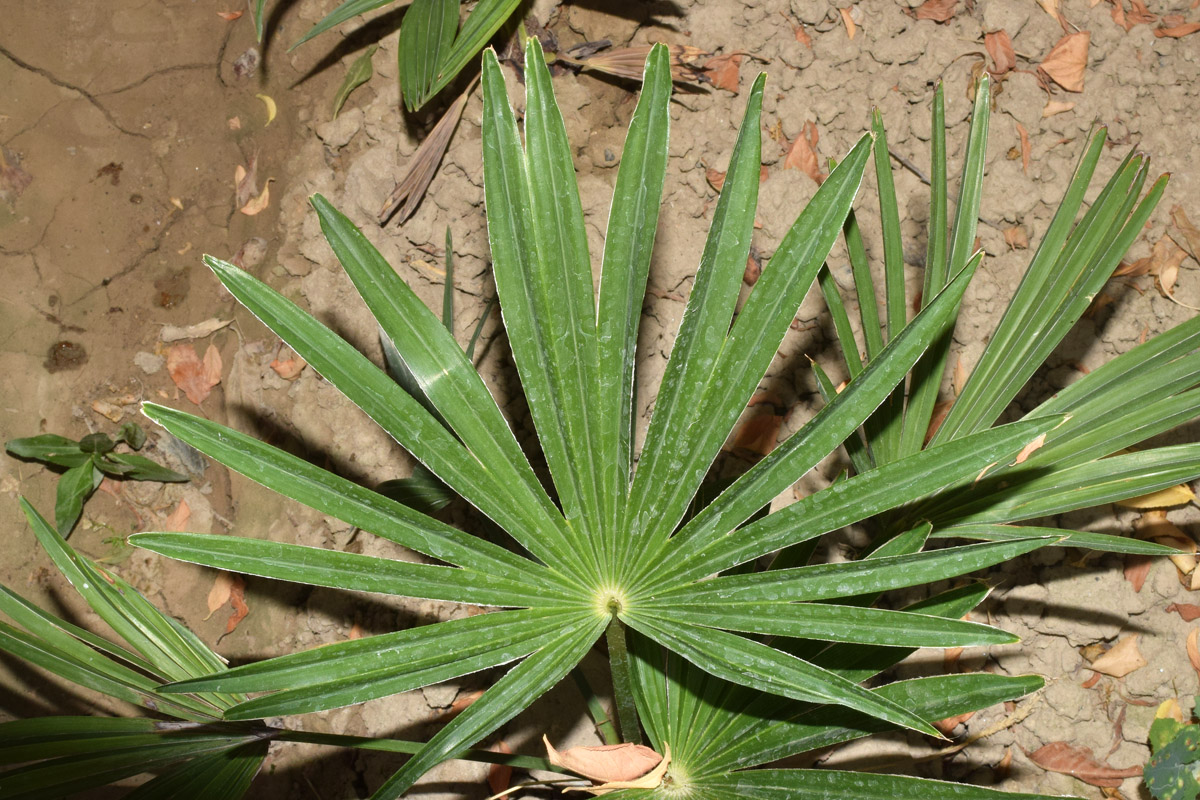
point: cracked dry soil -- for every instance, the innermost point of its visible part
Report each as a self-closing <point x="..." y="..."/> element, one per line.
<point x="121" y="116"/>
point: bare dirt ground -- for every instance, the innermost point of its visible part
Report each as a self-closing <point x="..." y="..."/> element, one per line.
<point x="122" y="125"/>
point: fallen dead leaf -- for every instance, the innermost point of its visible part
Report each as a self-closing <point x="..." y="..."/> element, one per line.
<point x="1015" y="238"/>
<point x="936" y="10"/>
<point x="1092" y="681"/>
<point x="289" y="369"/>
<point x="753" y="269"/>
<point x="499" y="776"/>
<point x="1188" y="231"/>
<point x="1154" y="526"/>
<point x="257" y="204"/>
<point x="1078" y="762"/>
<point x="461" y="703"/>
<point x="1056" y="107"/>
<point x="604" y="763"/>
<point x="1139" y="14"/>
<point x="230" y="16"/>
<point x="237" y="599"/>
<point x="946" y="726"/>
<point x="758" y="434"/>
<point x="723" y="70"/>
<point x="199" y="330"/>
<point x="1066" y="63"/>
<point x="628" y="62"/>
<point x="1051" y="8"/>
<point x="1122" y="659"/>
<point x="802" y="36"/>
<point x="195" y="377"/>
<point x="1169" y="709"/>
<point x="802" y="154"/>
<point x="958" y="379"/>
<point x="177" y="520"/>
<point x="999" y="47"/>
<point x="1026" y="147"/>
<point x="1176" y="30"/>
<point x="245" y="181"/>
<point x="251" y="253"/>
<point x="423" y="164"/>
<point x="1164" y="498"/>
<point x="272" y="109"/>
<point x="219" y="594"/>
<point x="1029" y="449"/>
<point x="1137" y="569"/>
<point x="107" y="409"/>
<point x="1187" y="611"/>
<point x="715" y="178"/>
<point x="1193" y="649"/>
<point x="848" y="20"/>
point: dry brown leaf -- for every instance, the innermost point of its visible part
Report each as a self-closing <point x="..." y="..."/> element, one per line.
<point x="195" y="377"/>
<point x="462" y="702"/>
<point x="1066" y="63"/>
<point x="177" y="520"/>
<point x="1167" y="256"/>
<point x="1092" y="681"/>
<point x="1190" y="234"/>
<point x="499" y="776"/>
<point x="423" y="164"/>
<point x="256" y="205"/>
<point x="1122" y="659"/>
<point x="753" y="269"/>
<point x="940" y="410"/>
<point x="999" y="47"/>
<point x="1015" y="238"/>
<point x="1154" y="526"/>
<point x="107" y="409"/>
<point x="289" y="369"/>
<point x="175" y="333"/>
<point x="758" y="434"/>
<point x="802" y="154"/>
<point x="606" y="763"/>
<point x="1078" y="762"/>
<point x="847" y="18"/>
<point x="1029" y="449"/>
<point x="230" y="16"/>
<point x="220" y="593"/>
<point x="1056" y="107"/>
<point x="1187" y="611"/>
<point x="1139" y="14"/>
<point x="1177" y="30"/>
<point x="946" y="726"/>
<point x="1050" y="7"/>
<point x="715" y="178"/>
<point x="723" y="70"/>
<point x="629" y="62"/>
<point x="958" y="379"/>
<point x="1026" y="148"/>
<point x="1193" y="650"/>
<point x="1137" y="569"/>
<point x="245" y="181"/>
<point x="803" y="37"/>
<point x="237" y="598"/>
<point x="1164" y="498"/>
<point x="1169" y="709"/>
<point x="936" y="10"/>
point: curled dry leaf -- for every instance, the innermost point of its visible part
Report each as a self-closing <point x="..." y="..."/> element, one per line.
<point x="628" y="62"/>
<point x="1137" y="569"/>
<point x="195" y="377"/>
<point x="1164" y="498"/>
<point x="1078" y="762"/>
<point x="1154" y="526"/>
<point x="1066" y="63"/>
<point x="999" y="47"/>
<point x="175" y="333"/>
<point x="1026" y="147"/>
<point x="758" y="434"/>
<point x="722" y="70"/>
<point x="1015" y="238"/>
<point x="936" y="10"/>
<point x="177" y="520"/>
<point x="219" y="594"/>
<point x="715" y="178"/>
<point x="617" y="766"/>
<point x="499" y="776"/>
<point x="1056" y="107"/>
<point x="423" y="165"/>
<point x="245" y="181"/>
<point x="230" y="16"/>
<point x="257" y="204"/>
<point x="848" y="19"/>
<point x="462" y="702"/>
<point x="289" y="369"/>
<point x="1122" y="659"/>
<point x="802" y="154"/>
<point x="1187" y="611"/>
<point x="1174" y="27"/>
<point x="1139" y="14"/>
<point x="946" y="726"/>
<point x="237" y="598"/>
<point x="107" y="409"/>
<point x="1188" y="232"/>
<point x="1193" y="649"/>
<point x="269" y="103"/>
